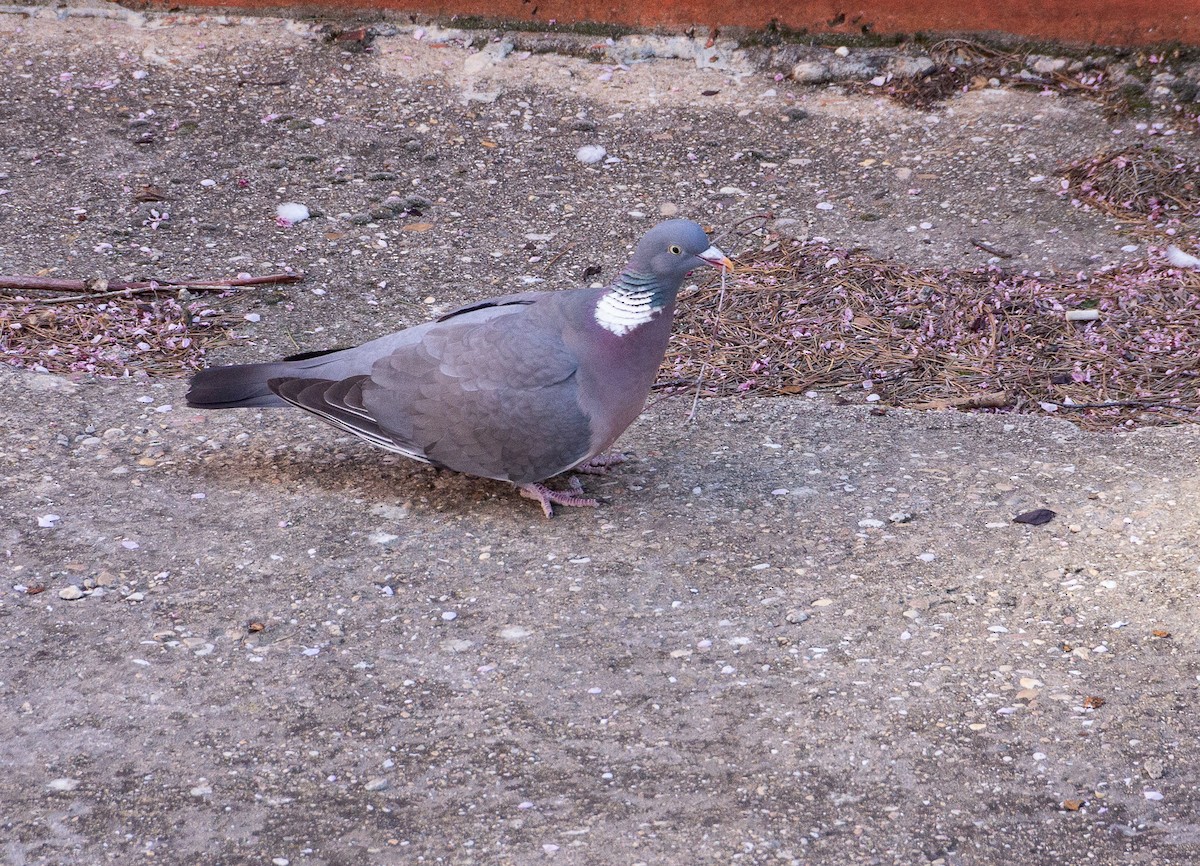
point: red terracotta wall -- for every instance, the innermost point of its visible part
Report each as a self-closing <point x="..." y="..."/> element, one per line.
<point x="1112" y="22"/>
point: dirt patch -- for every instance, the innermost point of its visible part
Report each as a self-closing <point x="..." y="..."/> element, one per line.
<point x="794" y="632"/>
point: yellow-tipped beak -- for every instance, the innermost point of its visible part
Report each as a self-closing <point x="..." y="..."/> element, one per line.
<point x="716" y="258"/>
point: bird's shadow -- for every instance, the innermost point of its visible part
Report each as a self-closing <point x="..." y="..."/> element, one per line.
<point x="362" y="472"/>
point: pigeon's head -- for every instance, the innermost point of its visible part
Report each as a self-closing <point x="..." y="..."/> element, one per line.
<point x="673" y="248"/>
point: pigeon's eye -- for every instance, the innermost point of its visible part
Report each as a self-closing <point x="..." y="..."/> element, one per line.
<point x="674" y="250"/>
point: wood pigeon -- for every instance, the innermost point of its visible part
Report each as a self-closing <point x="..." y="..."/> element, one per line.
<point x="518" y="388"/>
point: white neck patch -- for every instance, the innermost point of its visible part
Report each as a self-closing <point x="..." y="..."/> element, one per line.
<point x="621" y="311"/>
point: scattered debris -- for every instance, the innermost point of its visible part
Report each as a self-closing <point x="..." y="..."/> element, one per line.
<point x="1147" y="182"/>
<point x="111" y="329"/>
<point x="804" y="316"/>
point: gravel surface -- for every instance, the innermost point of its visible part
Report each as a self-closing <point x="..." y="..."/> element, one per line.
<point x="794" y="632"/>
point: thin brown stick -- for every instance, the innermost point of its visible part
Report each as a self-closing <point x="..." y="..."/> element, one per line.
<point x="48" y="284"/>
<point x="988" y="248"/>
<point x="560" y="254"/>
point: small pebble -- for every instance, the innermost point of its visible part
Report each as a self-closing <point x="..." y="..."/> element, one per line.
<point x="590" y="153"/>
<point x="63" y="784"/>
<point x="70" y="593"/>
<point x="449" y="615"/>
<point x="290" y="213"/>
<point x="795" y="617"/>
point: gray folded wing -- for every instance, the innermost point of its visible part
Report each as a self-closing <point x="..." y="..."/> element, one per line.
<point x="496" y="398"/>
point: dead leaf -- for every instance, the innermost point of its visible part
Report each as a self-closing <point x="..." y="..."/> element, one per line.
<point x="1160" y="632"/>
<point x="1092" y="702"/>
<point x="990" y="400"/>
<point x="1037" y="517"/>
<point x="35" y="589"/>
<point x="149" y="192"/>
<point x="418" y="227"/>
<point x="1072" y="805"/>
<point x="255" y="626"/>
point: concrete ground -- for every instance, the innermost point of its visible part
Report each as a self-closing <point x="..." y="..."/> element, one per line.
<point x="794" y="632"/>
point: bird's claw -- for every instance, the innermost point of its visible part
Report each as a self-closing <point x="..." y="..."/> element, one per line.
<point x="601" y="463"/>
<point x="548" y="498"/>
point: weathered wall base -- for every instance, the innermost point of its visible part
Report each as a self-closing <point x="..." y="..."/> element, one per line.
<point x="1103" y="22"/>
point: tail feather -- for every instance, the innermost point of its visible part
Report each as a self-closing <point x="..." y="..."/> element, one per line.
<point x="241" y="386"/>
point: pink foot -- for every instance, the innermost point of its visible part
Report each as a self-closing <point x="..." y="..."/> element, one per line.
<point x="549" y="498"/>
<point x="601" y="463"/>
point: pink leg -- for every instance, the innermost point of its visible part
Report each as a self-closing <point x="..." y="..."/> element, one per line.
<point x="549" y="498"/>
<point x="601" y="463"/>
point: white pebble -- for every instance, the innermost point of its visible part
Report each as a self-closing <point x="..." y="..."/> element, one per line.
<point x="927" y="557"/>
<point x="291" y="212"/>
<point x="1179" y="259"/>
<point x="1152" y="795"/>
<point x="208" y="181"/>
<point x="63" y="784"/>
<point x="48" y="520"/>
<point x="590" y="153"/>
<point x="842" y="51"/>
<point x="448" y="615"/>
<point x="824" y="205"/>
<point x="870" y="523"/>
